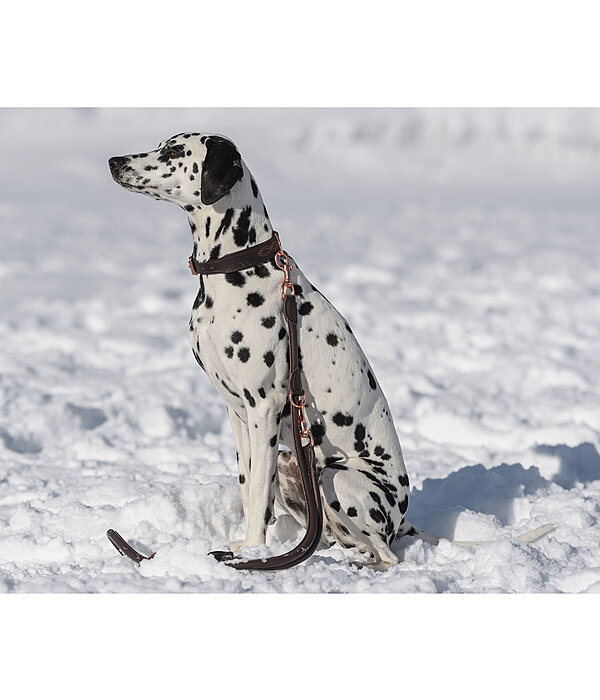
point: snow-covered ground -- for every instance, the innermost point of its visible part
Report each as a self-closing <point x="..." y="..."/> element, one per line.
<point x="461" y="245"/>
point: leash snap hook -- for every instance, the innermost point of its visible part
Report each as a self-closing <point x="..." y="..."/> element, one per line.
<point x="304" y="429"/>
<point x="282" y="261"/>
<point x="305" y="432"/>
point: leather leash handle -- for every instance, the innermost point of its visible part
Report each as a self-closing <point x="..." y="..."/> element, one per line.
<point x="305" y="454"/>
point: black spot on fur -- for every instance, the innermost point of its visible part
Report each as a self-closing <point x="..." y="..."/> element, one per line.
<point x="403" y="505"/>
<point x="332" y="339"/>
<point x="269" y="358"/>
<point x="188" y="207"/>
<point x="237" y="337"/>
<point x="214" y="253"/>
<point x="244" y="354"/>
<point x="359" y="436"/>
<point x="268" y="321"/>
<point x="377" y="516"/>
<point x="391" y="499"/>
<point x="262" y="271"/>
<point x="372" y="382"/>
<point x="342" y="420"/>
<point x="209" y="303"/>
<point x="240" y="230"/>
<point x="251" y="400"/>
<point x="255" y="299"/>
<point x="237" y="279"/>
<point x="318" y="432"/>
<point x="254" y="187"/>
<point x="377" y="465"/>
<point x="305" y="308"/>
<point x="273" y="440"/>
<point x="403" y="480"/>
<point x="224" y="224"/>
<point x="282" y="333"/>
<point x="335" y="505"/>
<point x="352" y="512"/>
<point x="261" y="393"/>
<point x="242" y="479"/>
<point x="229" y="351"/>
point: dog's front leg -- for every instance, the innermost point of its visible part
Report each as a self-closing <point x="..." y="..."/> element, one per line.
<point x="263" y="427"/>
<point x="242" y="446"/>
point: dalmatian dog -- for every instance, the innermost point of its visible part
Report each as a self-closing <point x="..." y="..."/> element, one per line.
<point x="238" y="337"/>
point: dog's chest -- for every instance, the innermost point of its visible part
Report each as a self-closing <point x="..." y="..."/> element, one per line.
<point x="237" y="332"/>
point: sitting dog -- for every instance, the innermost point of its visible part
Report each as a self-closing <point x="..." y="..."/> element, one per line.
<point x="238" y="336"/>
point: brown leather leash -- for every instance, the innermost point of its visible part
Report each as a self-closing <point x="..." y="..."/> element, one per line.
<point x="305" y="455"/>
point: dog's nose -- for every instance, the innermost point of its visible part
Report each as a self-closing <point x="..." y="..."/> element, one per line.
<point x="116" y="163"/>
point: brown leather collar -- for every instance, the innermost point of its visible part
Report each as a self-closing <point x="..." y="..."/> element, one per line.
<point x="240" y="260"/>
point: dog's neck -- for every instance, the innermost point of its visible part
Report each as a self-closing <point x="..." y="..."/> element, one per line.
<point x="230" y="228"/>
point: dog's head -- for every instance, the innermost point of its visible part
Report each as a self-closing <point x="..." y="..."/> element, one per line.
<point x="188" y="169"/>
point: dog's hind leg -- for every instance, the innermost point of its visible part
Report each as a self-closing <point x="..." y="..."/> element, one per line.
<point x="358" y="514"/>
<point x="346" y="522"/>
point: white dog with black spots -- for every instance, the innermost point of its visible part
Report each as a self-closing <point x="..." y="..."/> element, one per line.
<point x="238" y="336"/>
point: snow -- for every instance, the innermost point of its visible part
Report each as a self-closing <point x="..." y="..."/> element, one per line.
<point x="461" y="246"/>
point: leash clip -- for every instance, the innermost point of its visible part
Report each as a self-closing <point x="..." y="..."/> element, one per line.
<point x="304" y="429"/>
<point x="282" y="261"/>
<point x="191" y="265"/>
<point x="305" y="432"/>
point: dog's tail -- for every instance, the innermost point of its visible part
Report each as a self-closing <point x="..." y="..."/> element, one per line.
<point x="408" y="529"/>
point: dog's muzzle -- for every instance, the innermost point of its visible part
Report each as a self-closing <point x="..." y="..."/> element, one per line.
<point x="116" y="165"/>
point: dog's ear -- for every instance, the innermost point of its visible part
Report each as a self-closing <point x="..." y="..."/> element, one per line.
<point x="221" y="169"/>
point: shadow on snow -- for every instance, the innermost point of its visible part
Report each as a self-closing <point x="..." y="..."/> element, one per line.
<point x="437" y="505"/>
